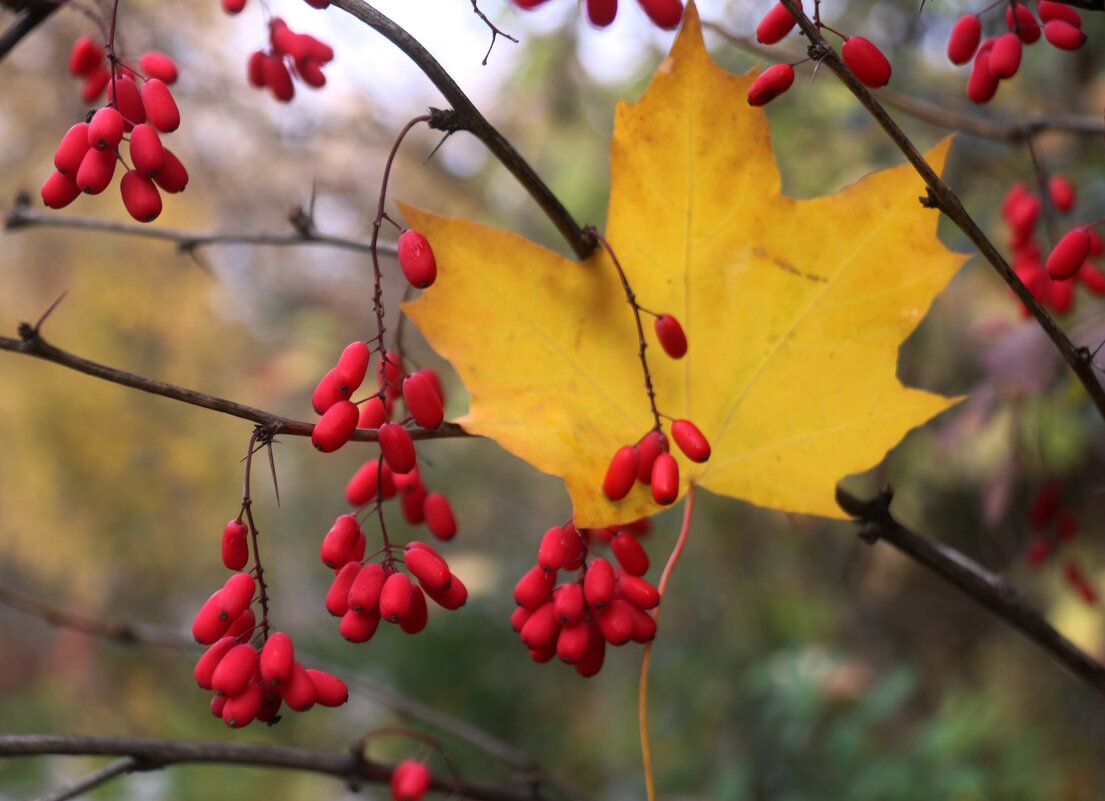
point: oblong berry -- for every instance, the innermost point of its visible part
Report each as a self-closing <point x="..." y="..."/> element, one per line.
<point x="644" y="624"/>
<point x="140" y="196"/>
<point x="1050" y="10"/>
<point x="207" y="663"/>
<point x="615" y="623"/>
<point x="397" y="448"/>
<point x="155" y="64"/>
<point x="775" y="25"/>
<point x="242" y="627"/>
<point x="665" y="14"/>
<point x="173" y="177"/>
<point x="235" y="548"/>
<point x="541" y="628"/>
<point x="71" y="149"/>
<point x="339" y="542"/>
<point x="352" y="366"/>
<point x="277" y="78"/>
<point x="422" y="401"/>
<point x="416" y="259"/>
<point x="1063" y="35"/>
<point x="105" y="129"/>
<point x="1068" y="255"/>
<point x="147" y="154"/>
<point x="94" y="84"/>
<point x="413" y="505"/>
<point x="981" y="84"/>
<point x="234" y="670"/>
<point x="85" y="56"/>
<point x="299" y="691"/>
<point x="866" y="61"/>
<point x="1092" y="278"/>
<point x="242" y="709"/>
<point x="310" y="72"/>
<point x="651" y="445"/>
<point x="768" y="85"/>
<point x="255" y="69"/>
<point x="665" y="479"/>
<point x="364" y="592"/>
<point x="571" y="644"/>
<point x="534" y="588"/>
<point x="122" y="92"/>
<point x="1061" y="192"/>
<point x="452" y="597"/>
<point x="1020" y="20"/>
<point x="208" y="625"/>
<point x="331" y="389"/>
<point x="410" y="781"/>
<point x="59" y="190"/>
<point x="363" y="486"/>
<point x="336" y="426"/>
<point x="964" y="38"/>
<point x="629" y="553"/>
<point x="568" y="602"/>
<point x="430" y="569"/>
<point x="439" y="516"/>
<point x="329" y="690"/>
<point x="670" y="333"/>
<point x="637" y="591"/>
<point x="359" y="626"/>
<point x="395" y="597"/>
<point x="277" y="658"/>
<point x="161" y="109"/>
<point x="598" y="583"/>
<point x="419" y="614"/>
<point x="553" y="550"/>
<point x="337" y="597"/>
<point x="622" y="473"/>
<point x="591" y="662"/>
<point x="236" y="595"/>
<point x="96" y="171"/>
<point x="374" y="413"/>
<point x="601" y="12"/>
<point x="1005" y="58"/>
<point x="690" y="440"/>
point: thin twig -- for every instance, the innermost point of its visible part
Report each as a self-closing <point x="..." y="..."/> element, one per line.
<point x="496" y="32"/>
<point x="942" y="197"/>
<point x="92" y="780"/>
<point x="34" y="14"/>
<point x="23" y="216"/>
<point x="988" y="589"/>
<point x="31" y="343"/>
<point x="464" y="116"/>
<point x="351" y="767"/>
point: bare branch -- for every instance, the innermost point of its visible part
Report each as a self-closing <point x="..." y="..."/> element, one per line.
<point x="92" y="780"/>
<point x="23" y="216"/>
<point x="33" y="14"/>
<point x="496" y="31"/>
<point x="464" y="116"/>
<point x="351" y="767"/>
<point x="988" y="589"/>
<point x="942" y="197"/>
<point x="31" y="343"/>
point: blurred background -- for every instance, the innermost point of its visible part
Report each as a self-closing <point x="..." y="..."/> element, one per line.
<point x="794" y="662"/>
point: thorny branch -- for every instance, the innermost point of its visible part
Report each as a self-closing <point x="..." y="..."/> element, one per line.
<point x="989" y="589"/>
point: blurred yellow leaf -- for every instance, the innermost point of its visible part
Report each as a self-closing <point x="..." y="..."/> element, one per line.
<point x="794" y="309"/>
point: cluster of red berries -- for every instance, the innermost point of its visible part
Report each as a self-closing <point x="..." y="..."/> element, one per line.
<point x="575" y="620"/>
<point x="649" y="461"/>
<point x="290" y="54"/>
<point x="999" y="57"/>
<point x="410" y="780"/>
<point x="252" y="673"/>
<point x="665" y="14"/>
<point x="1055" y="526"/>
<point x="363" y="593"/>
<point x="862" y="57"/>
<point x="1052" y="282"/>
<point x="85" y="159"/>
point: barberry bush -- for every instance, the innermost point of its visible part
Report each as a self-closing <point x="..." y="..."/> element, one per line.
<point x="396" y="322"/>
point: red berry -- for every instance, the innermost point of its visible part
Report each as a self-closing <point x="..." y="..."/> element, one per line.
<point x="234" y="670"/>
<point x="337" y="597"/>
<point x="1068" y="255"/>
<point x="336" y="426"/>
<point x="553" y="550"/>
<point x="389" y="369"/>
<point x="629" y="553"/>
<point x="329" y="690"/>
<point x="453" y="597"/>
<point x="1024" y="211"/>
<point x="359" y="626"/>
<point x="866" y="61"/>
<point x="1044" y="504"/>
<point x="146" y="151"/>
<point x="158" y="65"/>
<point x="1005" y="58"/>
<point x="1062" y="296"/>
<point x="572" y="642"/>
<point x="96" y="171"/>
<point x="651" y="445"/>
<point x="277" y="658"/>
<point x="242" y="709"/>
<point x="621" y="474"/>
<point x="664" y="13"/>
<point x="373" y="413"/>
<point x="339" y="542"/>
<point x="140" y="196"/>
<point x="105" y="130"/>
<point x="541" y="629"/>
<point x="173" y="177"/>
<point x="363" y="486"/>
<point x="299" y="692"/>
<point x="71" y="149"/>
<point x="981" y="84"/>
<point x="236" y="595"/>
<point x="1092" y="278"/>
<point x="644" y="625"/>
<point x="615" y="623"/>
<point x="430" y="569"/>
<point x="1064" y="35"/>
<point x="331" y="389"/>
<point x="161" y="109"/>
<point x="59" y="190"/>
<point x="410" y="781"/>
<point x="207" y="663"/>
<point x="85" y="57"/>
<point x="1019" y="19"/>
<point x="413" y="505"/>
<point x="591" y="662"/>
<point x="277" y="78"/>
<point x="235" y="550"/>
<point x="395" y="597"/>
<point x="637" y="591"/>
<point x="439" y="516"/>
<point x="775" y="24"/>
<point x="598" y="583"/>
<point x="1050" y="10"/>
<point x="364" y="592"/>
<point x="964" y="38"/>
<point x="419" y="615"/>
<point x="94" y="84"/>
<point x="568" y="603"/>
<point x="310" y="73"/>
<point x="397" y="448"/>
<point x="534" y="588"/>
<point x="1061" y="191"/>
<point x="208" y="625"/>
<point x="690" y="440"/>
<point x="768" y="85"/>
<point x="422" y="401"/>
<point x="670" y="333"/>
<point x="601" y="12"/>
<point x="122" y="92"/>
<point x="242" y="627"/>
<point x="665" y="479"/>
<point x="416" y="259"/>
<point x="234" y="7"/>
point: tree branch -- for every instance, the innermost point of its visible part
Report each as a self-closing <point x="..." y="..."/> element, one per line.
<point x="942" y="197"/>
<point x="464" y="116"/>
<point x="23" y="216"/>
<point x="34" y="14"/>
<point x="92" y="780"/>
<point x="352" y="767"/>
<point x="988" y="589"/>
<point x="31" y="343"/>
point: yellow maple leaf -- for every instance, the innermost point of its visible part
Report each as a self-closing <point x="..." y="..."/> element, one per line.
<point x="794" y="309"/>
